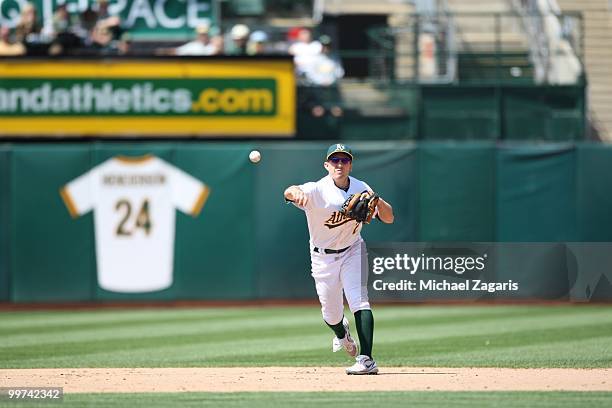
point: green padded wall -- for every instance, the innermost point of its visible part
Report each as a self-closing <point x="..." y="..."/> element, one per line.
<point x="215" y="254"/>
<point x="248" y="244"/>
<point x="462" y="111"/>
<point x="4" y="223"/>
<point x="536" y="193"/>
<point x="457" y="192"/>
<point x="281" y="235"/>
<point x="594" y="193"/>
<point x="52" y="254"/>
<point x="543" y="113"/>
<point x="459" y="113"/>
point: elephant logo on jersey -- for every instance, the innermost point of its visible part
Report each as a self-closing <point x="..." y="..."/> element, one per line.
<point x="337" y="219"/>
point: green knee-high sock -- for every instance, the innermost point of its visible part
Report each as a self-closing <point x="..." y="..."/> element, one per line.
<point x="338" y="328"/>
<point x="364" y="322"/>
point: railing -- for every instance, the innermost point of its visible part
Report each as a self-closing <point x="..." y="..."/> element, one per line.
<point x="473" y="47"/>
<point x="539" y="46"/>
<point x="422" y="50"/>
<point x="557" y="40"/>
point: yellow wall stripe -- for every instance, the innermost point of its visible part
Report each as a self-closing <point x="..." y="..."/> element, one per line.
<point x="78" y="126"/>
<point x="144" y="69"/>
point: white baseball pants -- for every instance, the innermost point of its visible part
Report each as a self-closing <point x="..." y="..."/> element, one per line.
<point x="335" y="273"/>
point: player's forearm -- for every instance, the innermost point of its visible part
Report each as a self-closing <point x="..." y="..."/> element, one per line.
<point x="385" y="211"/>
<point x="296" y="195"/>
<point x="291" y="192"/>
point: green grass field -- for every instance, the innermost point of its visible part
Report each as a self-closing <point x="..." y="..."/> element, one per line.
<point x="342" y="399"/>
<point x="435" y="336"/>
<point x="440" y="336"/>
<point x="337" y="399"/>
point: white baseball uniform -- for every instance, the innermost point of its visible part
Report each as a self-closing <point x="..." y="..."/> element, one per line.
<point x="329" y="229"/>
<point x="134" y="203"/>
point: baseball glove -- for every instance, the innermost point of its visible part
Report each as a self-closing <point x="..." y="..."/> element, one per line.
<point x="360" y="207"/>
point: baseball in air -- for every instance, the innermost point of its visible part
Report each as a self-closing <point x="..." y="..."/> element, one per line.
<point x="255" y="156"/>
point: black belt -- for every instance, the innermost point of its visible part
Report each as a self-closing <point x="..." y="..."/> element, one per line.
<point x="330" y="251"/>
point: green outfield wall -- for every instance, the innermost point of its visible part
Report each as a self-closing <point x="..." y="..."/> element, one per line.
<point x="513" y="112"/>
<point x="594" y="201"/>
<point x="456" y="190"/>
<point x="4" y="219"/>
<point x="477" y="112"/>
<point x="246" y="243"/>
<point x="536" y="195"/>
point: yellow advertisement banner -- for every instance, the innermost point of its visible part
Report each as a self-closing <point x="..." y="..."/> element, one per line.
<point x="148" y="97"/>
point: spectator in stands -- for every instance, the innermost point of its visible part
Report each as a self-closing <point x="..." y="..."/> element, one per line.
<point x="102" y="40"/>
<point x="239" y="36"/>
<point x="216" y="40"/>
<point x="7" y="47"/>
<point x="106" y="20"/>
<point x="323" y="69"/>
<point x="84" y="25"/>
<point x="87" y="21"/>
<point x="124" y="45"/>
<point x="200" y="46"/>
<point x="28" y="28"/>
<point x="292" y="34"/>
<point x="304" y="50"/>
<point x="61" y="19"/>
<point x="64" y="36"/>
<point x="257" y="43"/>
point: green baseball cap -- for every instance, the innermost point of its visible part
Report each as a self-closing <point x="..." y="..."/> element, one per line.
<point x="338" y="148"/>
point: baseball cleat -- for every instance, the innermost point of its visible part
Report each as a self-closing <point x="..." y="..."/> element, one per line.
<point x="363" y="365"/>
<point x="347" y="342"/>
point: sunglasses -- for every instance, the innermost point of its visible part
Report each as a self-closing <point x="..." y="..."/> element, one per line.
<point x="336" y="160"/>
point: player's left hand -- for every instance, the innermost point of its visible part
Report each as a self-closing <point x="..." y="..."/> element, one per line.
<point x="360" y="207"/>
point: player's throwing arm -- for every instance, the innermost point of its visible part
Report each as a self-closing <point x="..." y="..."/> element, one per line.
<point x="296" y="195"/>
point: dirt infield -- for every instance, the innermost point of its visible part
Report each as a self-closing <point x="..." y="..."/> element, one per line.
<point x="235" y="379"/>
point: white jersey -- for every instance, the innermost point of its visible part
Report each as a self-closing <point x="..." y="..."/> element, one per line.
<point x="304" y="53"/>
<point x="195" y="48"/>
<point x="134" y="203"/>
<point x="328" y="228"/>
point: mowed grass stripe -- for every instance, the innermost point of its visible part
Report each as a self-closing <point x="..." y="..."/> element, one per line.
<point x="409" y="353"/>
<point x="308" y="399"/>
<point x="40" y="319"/>
<point x="310" y="344"/>
<point x="12" y="322"/>
<point x="585" y="353"/>
<point x="209" y="326"/>
<point x="171" y="325"/>
<point x="578" y="354"/>
<point x="405" y="326"/>
<point x="220" y="329"/>
<point x="492" y="345"/>
<point x="28" y="322"/>
<point x="406" y="315"/>
<point x="253" y="328"/>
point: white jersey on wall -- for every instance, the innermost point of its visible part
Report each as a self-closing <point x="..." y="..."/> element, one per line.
<point x="328" y="228"/>
<point x="134" y="201"/>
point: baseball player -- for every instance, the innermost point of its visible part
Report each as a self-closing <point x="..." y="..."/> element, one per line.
<point x="338" y="253"/>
